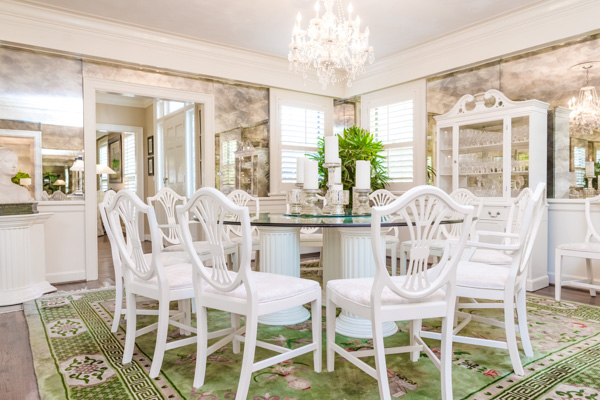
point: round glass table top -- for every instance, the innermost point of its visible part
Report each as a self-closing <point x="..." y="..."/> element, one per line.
<point x="324" y="221"/>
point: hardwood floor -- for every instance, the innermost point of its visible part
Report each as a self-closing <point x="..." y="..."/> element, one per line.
<point x="17" y="375"/>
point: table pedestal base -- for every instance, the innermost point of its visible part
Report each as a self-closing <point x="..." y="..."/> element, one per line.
<point x="280" y="254"/>
<point x="348" y="252"/>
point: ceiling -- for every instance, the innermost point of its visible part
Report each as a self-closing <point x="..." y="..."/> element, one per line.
<point x="265" y="26"/>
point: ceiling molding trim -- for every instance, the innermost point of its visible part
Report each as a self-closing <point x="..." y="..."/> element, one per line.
<point x="543" y="23"/>
<point x="82" y="35"/>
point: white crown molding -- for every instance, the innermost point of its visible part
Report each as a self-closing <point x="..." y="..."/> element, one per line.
<point x="548" y="21"/>
<point x="82" y="35"/>
<point x="545" y="22"/>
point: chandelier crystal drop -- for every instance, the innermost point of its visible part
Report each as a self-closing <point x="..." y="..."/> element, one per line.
<point x="331" y="45"/>
<point x="585" y="110"/>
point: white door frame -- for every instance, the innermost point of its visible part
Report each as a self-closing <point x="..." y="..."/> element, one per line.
<point x="93" y="85"/>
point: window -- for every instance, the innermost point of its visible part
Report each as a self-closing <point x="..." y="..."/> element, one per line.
<point x="103" y="160"/>
<point x="129" y="164"/>
<point x="393" y="125"/>
<point x="300" y="131"/>
<point x="397" y="117"/>
<point x="297" y="122"/>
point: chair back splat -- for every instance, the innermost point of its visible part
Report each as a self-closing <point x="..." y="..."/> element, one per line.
<point x="165" y="200"/>
<point x="424" y="210"/>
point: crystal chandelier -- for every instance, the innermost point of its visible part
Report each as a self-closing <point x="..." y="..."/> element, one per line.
<point x="585" y="110"/>
<point x="332" y="46"/>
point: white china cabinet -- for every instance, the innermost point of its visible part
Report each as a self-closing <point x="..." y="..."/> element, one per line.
<point x="495" y="147"/>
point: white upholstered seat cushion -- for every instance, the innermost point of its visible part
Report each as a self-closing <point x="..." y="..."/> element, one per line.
<point x="238" y="240"/>
<point x="490" y="256"/>
<point x="391" y="239"/>
<point x="311" y="237"/>
<point x="170" y="258"/>
<point x="179" y="276"/>
<point x="201" y="247"/>
<point x="482" y="276"/>
<point x="270" y="287"/>
<point x="591" y="247"/>
<point x="358" y="290"/>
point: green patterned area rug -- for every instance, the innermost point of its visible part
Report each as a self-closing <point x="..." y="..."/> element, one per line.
<point x="77" y="357"/>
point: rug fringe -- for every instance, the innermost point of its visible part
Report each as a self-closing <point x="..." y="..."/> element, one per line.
<point x="76" y="291"/>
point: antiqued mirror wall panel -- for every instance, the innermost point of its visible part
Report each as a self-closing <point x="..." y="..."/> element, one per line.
<point x="546" y="75"/>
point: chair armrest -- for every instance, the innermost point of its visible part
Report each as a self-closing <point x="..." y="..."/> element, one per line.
<point x="492" y="246"/>
<point x="496" y="234"/>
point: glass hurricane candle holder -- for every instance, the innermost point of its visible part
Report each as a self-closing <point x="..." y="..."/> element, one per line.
<point x="294" y="199"/>
<point x="362" y="198"/>
<point x="309" y="207"/>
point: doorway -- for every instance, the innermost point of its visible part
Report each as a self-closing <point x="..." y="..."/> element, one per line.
<point x="202" y="166"/>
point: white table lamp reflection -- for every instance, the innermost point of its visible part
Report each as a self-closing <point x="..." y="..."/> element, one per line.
<point x="78" y="167"/>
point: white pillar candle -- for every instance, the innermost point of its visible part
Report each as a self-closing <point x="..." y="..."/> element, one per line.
<point x="589" y="168"/>
<point x="300" y="170"/>
<point x="332" y="152"/>
<point x="311" y="174"/>
<point x="338" y="172"/>
<point x="363" y="174"/>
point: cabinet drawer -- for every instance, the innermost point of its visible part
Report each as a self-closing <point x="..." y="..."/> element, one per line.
<point x="494" y="213"/>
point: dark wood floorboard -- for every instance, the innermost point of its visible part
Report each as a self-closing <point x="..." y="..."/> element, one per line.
<point x="17" y="376"/>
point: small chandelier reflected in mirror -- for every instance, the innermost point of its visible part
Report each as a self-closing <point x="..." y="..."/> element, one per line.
<point x="585" y="110"/>
<point x="331" y="45"/>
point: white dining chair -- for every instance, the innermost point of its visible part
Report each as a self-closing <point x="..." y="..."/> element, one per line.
<point x="243" y="199"/>
<point x="382" y="197"/>
<point x="589" y="249"/>
<point x="165" y="200"/>
<point x="171" y="258"/>
<point x="512" y="224"/>
<point x="313" y="237"/>
<point x="449" y="231"/>
<point x="501" y="286"/>
<point x="421" y="293"/>
<point x="147" y="276"/>
<point x="245" y="292"/>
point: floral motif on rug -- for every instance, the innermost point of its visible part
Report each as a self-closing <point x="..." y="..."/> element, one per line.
<point x="78" y="358"/>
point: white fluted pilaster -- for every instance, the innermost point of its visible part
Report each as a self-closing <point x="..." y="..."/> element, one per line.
<point x="280" y="254"/>
<point x="18" y="282"/>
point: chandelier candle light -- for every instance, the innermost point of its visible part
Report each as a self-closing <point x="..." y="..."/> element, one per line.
<point x="331" y="45"/>
<point x="585" y="110"/>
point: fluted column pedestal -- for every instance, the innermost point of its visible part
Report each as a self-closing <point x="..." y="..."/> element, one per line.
<point x="280" y="254"/>
<point x="20" y="281"/>
<point x="348" y="254"/>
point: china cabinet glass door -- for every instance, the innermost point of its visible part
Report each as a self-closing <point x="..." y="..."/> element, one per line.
<point x="480" y="158"/>
<point x="519" y="155"/>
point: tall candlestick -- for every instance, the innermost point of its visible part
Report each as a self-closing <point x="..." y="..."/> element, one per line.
<point x="300" y="170"/>
<point x="338" y="172"/>
<point x="311" y="174"/>
<point x="363" y="174"/>
<point x="332" y="152"/>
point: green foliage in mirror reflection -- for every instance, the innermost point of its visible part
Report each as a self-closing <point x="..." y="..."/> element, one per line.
<point x="20" y="175"/>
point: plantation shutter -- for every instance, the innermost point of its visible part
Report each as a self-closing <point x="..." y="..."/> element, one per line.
<point x="300" y="130"/>
<point x="393" y="125"/>
<point x="103" y="160"/>
<point x="129" y="175"/>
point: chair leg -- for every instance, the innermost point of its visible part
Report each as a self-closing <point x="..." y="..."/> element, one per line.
<point x="118" y="305"/>
<point x="201" y="347"/>
<point x="415" y="330"/>
<point x="522" y="319"/>
<point x="248" y="360"/>
<point x="590" y="274"/>
<point x="131" y="328"/>
<point x="330" y="320"/>
<point x="184" y="306"/>
<point x="380" y="366"/>
<point x="161" y="337"/>
<point x="235" y="324"/>
<point x="511" y="336"/>
<point x="394" y="259"/>
<point x="317" y="335"/>
<point x="557" y="272"/>
<point x="446" y="358"/>
<point x="402" y="260"/>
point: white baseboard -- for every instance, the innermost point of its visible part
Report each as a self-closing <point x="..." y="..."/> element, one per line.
<point x="70" y="276"/>
<point x="537" y="283"/>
